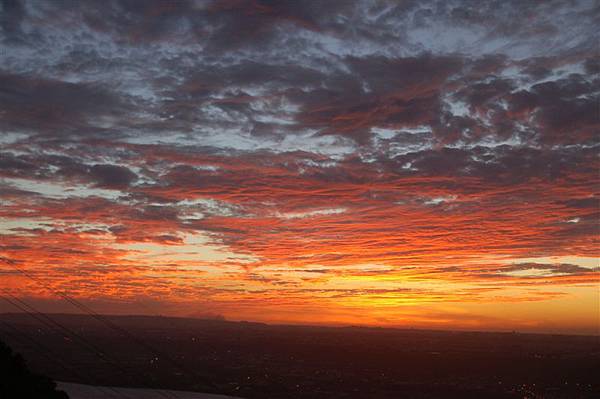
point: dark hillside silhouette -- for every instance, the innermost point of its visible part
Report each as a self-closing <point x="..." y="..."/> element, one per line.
<point x="17" y="382"/>
<point x="257" y="361"/>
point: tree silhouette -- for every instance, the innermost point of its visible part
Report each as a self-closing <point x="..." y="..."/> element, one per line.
<point x="17" y="382"/>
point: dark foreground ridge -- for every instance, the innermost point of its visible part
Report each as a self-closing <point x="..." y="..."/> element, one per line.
<point x="16" y="381"/>
<point x="254" y="360"/>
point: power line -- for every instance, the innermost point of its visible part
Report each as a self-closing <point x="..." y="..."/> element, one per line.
<point x="56" y="326"/>
<point x="40" y="317"/>
<point x="156" y="353"/>
<point x="51" y="356"/>
<point x="126" y="333"/>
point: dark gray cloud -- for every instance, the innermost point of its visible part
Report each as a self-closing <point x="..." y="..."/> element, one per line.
<point x="54" y="107"/>
<point x="558" y="268"/>
<point x="309" y="75"/>
<point x="111" y="176"/>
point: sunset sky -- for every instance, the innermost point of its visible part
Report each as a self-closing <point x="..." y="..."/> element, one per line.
<point x="428" y="164"/>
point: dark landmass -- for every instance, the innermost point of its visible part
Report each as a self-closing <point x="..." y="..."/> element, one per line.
<point x="255" y="360"/>
<point x="16" y="381"/>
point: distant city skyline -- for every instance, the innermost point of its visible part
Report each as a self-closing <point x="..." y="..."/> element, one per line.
<point x="429" y="164"/>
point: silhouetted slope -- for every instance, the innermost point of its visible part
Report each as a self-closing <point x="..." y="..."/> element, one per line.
<point x="17" y="382"/>
<point x="253" y="360"/>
